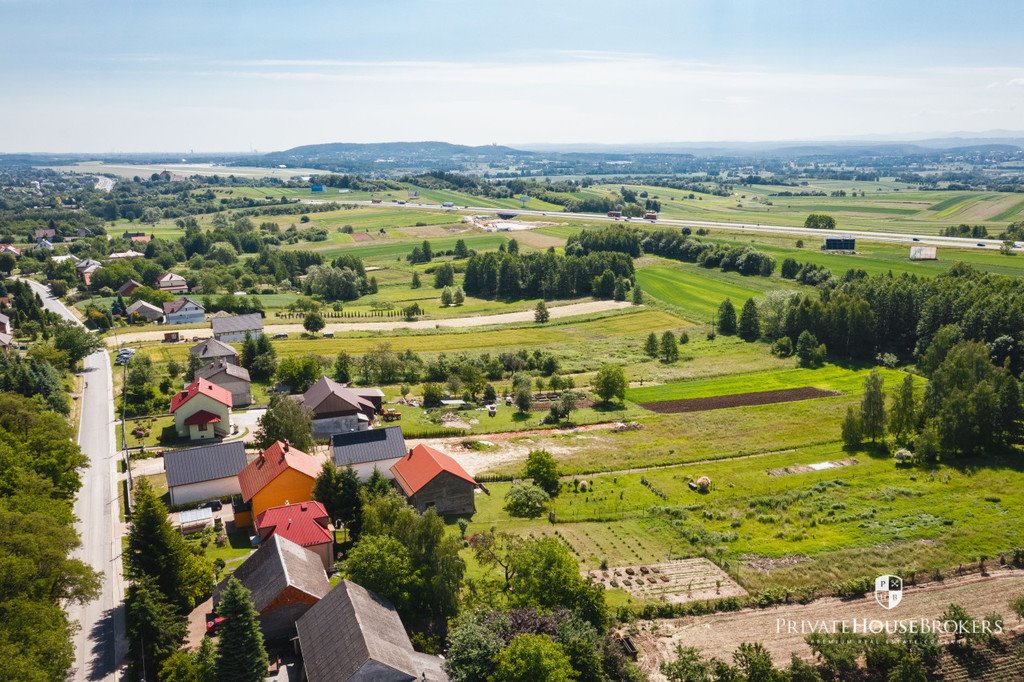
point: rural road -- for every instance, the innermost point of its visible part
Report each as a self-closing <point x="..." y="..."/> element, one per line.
<point x="899" y="237"/>
<point x="99" y="643"/>
<point x="571" y="310"/>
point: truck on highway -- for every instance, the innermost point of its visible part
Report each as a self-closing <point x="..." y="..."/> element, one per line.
<point x="447" y="204"/>
<point x="651" y="215"/>
<point x="615" y="214"/>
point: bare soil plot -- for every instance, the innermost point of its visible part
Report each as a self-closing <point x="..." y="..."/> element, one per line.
<point x="816" y="466"/>
<point x="676" y="582"/>
<point x="719" y="402"/>
<point x="720" y="634"/>
<point x="362" y="237"/>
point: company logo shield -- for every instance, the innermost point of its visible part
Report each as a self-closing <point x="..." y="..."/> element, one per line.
<point x="888" y="591"/>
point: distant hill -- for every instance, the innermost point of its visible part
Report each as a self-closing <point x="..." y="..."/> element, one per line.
<point x="387" y="155"/>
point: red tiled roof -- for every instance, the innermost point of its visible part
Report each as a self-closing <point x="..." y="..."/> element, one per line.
<point x="202" y="417"/>
<point x="269" y="465"/>
<point x="204" y="387"/>
<point x="422" y="465"/>
<point x="304" y="523"/>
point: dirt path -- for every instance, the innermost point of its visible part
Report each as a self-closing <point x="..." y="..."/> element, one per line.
<point x="571" y="310"/>
<point x="719" y="634"/>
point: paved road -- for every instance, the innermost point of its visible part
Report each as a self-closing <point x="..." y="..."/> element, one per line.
<point x="866" y="235"/>
<point x="570" y="310"/>
<point x="99" y="644"/>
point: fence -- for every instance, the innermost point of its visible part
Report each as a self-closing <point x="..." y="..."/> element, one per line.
<point x="342" y="314"/>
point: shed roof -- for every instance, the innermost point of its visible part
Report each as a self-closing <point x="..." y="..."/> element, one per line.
<point x="277" y="565"/>
<point x="212" y="348"/>
<point x="326" y="387"/>
<point x="203" y="387"/>
<point x="222" y="367"/>
<point x="304" y="523"/>
<point x="347" y="629"/>
<point x="422" y="465"/>
<point x="205" y="463"/>
<point x="270" y="464"/>
<point x="237" y="323"/>
<point x="372" y="445"/>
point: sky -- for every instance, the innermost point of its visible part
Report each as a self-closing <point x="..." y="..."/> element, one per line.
<point x="227" y="75"/>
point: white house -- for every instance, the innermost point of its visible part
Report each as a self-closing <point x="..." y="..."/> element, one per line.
<point x="172" y="283"/>
<point x="184" y="311"/>
<point x="202" y="411"/>
<point x="205" y="473"/>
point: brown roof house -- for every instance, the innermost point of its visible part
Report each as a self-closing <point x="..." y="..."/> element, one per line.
<point x="431" y="479"/>
<point x="285" y="580"/>
<point x="212" y="350"/>
<point x="337" y="409"/>
<point x="232" y="377"/>
<point x="353" y="635"/>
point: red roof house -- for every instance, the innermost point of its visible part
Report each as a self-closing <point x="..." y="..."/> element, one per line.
<point x="431" y="479"/>
<point x="280" y="475"/>
<point x="202" y="411"/>
<point x="304" y="523"/>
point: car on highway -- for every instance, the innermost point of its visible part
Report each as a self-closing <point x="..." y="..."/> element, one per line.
<point x="915" y="239"/>
<point x="981" y="245"/>
<point x="279" y="336"/>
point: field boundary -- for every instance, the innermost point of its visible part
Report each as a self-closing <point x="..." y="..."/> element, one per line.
<point x="783" y="395"/>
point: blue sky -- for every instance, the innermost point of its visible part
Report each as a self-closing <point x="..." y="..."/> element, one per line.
<point x="223" y="75"/>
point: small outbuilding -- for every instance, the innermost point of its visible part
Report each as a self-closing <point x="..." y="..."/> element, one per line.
<point x="337" y="409"/>
<point x="431" y="479"/>
<point x="840" y="242"/>
<point x="212" y="350"/>
<point x="141" y="310"/>
<point x="205" y="473"/>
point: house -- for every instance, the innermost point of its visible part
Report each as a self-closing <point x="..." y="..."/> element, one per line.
<point x="367" y="450"/>
<point x="202" y="411"/>
<point x="285" y="580"/>
<point x="6" y="342"/>
<point x="5" y="324"/>
<point x="45" y="244"/>
<point x="205" y="473"/>
<point x="173" y="283"/>
<point x="64" y="257"/>
<point x="143" y="310"/>
<point x="83" y="232"/>
<point x="431" y="479"/>
<point x="305" y="524"/>
<point x="130" y="253"/>
<point x="353" y="635"/>
<point x="128" y="287"/>
<point x="232" y="377"/>
<point x="336" y="409"/>
<point x="184" y="311"/>
<point x="11" y="249"/>
<point x="85" y="268"/>
<point x="45" y="233"/>
<point x="235" y="327"/>
<point x="281" y="474"/>
<point x="139" y="237"/>
<point x="212" y="350"/>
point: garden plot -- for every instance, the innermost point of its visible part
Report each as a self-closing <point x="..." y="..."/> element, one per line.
<point x="817" y="466"/>
<point x="677" y="582"/>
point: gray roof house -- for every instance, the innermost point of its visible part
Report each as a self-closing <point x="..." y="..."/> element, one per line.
<point x="352" y="635"/>
<point x="285" y="579"/>
<point x="234" y="328"/>
<point x="204" y="473"/>
<point x="212" y="349"/>
<point x="366" y="450"/>
<point x="144" y="310"/>
<point x="337" y="409"/>
<point x="234" y="378"/>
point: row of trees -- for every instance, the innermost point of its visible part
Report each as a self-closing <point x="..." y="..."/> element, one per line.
<point x="548" y="275"/>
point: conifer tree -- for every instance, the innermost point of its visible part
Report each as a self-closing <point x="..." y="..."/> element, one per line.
<point x="155" y="628"/>
<point x="872" y="407"/>
<point x="651" y="345"/>
<point x="903" y="415"/>
<point x="241" y="656"/>
<point x="726" y="318"/>
<point x="669" y="347"/>
<point x="750" y="322"/>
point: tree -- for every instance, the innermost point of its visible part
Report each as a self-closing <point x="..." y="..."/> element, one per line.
<point x="156" y="550"/>
<point x="460" y="251"/>
<point x="543" y="470"/>
<point x="638" y="296"/>
<point x="909" y="669"/>
<point x="313" y="322"/>
<point x="343" y="368"/>
<point x="540" y="313"/>
<point x="820" y="221"/>
<point x="446" y="297"/>
<point x="610" y="382"/>
<point x="444" y="276"/>
<point x="750" y="324"/>
<point x="726" y="318"/>
<point x="872" y="407"/>
<point x="522" y="397"/>
<point x="525" y="500"/>
<point x="285" y="419"/>
<point x="853" y="434"/>
<point x="155" y="628"/>
<point x="416" y="283"/>
<point x="338" y="489"/>
<point x="669" y="347"/>
<point x="75" y="340"/>
<point x="530" y="658"/>
<point x="807" y="350"/>
<point x="382" y="564"/>
<point x="458" y="298"/>
<point x="903" y="414"/>
<point x="651" y="345"/>
<point x="186" y="666"/>
<point x="545" y="575"/>
<point x="241" y="656"/>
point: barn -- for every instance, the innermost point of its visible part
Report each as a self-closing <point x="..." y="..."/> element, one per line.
<point x="840" y="242"/>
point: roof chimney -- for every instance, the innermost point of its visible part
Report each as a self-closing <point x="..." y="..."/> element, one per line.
<point x="286" y="445"/>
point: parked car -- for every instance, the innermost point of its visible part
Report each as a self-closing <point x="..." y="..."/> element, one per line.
<point x="215" y="505"/>
<point x="328" y="335"/>
<point x="279" y="336"/>
<point x="213" y="625"/>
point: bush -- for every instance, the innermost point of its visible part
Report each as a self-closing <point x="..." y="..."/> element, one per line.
<point x="525" y="500"/>
<point x="783" y="347"/>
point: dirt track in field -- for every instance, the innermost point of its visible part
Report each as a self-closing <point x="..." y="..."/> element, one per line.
<point x="719" y="402"/>
<point x="720" y="634"/>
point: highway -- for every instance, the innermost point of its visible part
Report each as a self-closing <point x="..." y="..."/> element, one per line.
<point x="99" y="643"/>
<point x="866" y="235"/>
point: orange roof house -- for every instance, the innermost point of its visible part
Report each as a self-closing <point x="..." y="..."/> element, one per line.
<point x="431" y="479"/>
<point x="280" y="475"/>
<point x="306" y="524"/>
<point x="202" y="411"/>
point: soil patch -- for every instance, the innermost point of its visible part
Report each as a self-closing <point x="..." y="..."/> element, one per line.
<point x="362" y="237"/>
<point x="676" y="582"/>
<point x="817" y="466"/>
<point x="719" y="402"/>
